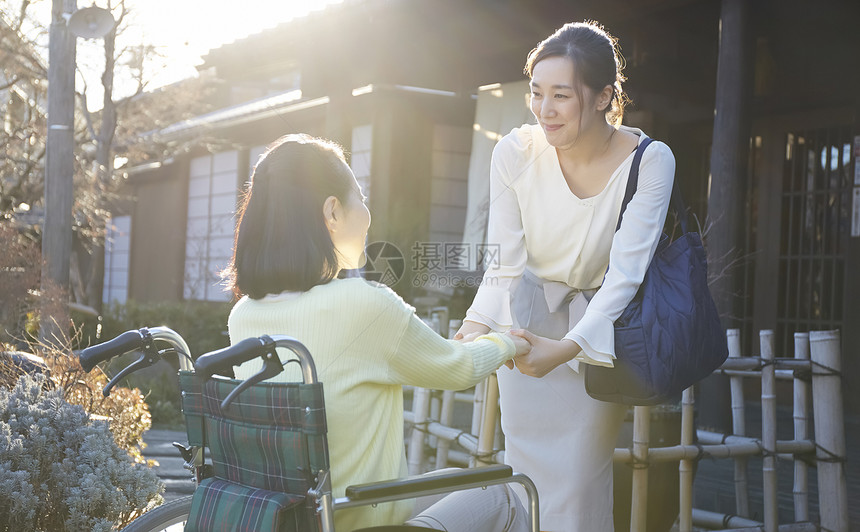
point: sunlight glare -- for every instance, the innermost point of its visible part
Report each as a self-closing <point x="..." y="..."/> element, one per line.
<point x="187" y="30"/>
<point x="182" y="32"/>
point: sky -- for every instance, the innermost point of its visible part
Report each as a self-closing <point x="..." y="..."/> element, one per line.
<point x="182" y="31"/>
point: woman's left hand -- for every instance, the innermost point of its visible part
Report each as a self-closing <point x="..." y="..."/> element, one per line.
<point x="545" y="355"/>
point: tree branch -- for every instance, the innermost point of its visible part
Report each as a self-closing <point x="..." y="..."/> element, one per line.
<point x="7" y="85"/>
<point x="88" y="117"/>
<point x="22" y="14"/>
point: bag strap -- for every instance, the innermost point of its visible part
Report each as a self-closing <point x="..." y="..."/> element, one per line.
<point x="676" y="202"/>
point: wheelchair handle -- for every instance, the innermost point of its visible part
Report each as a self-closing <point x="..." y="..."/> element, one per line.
<point x="132" y="341"/>
<point x="250" y="348"/>
<point x="125" y="342"/>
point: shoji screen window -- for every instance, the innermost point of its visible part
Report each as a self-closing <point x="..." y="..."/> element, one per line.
<point x="212" y="195"/>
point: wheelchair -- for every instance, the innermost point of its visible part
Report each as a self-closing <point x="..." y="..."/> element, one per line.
<point x="238" y="431"/>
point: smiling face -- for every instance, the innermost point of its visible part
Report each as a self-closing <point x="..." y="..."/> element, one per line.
<point x="556" y="103"/>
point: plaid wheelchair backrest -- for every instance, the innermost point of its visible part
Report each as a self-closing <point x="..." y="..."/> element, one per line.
<point x="272" y="436"/>
<point x="270" y="441"/>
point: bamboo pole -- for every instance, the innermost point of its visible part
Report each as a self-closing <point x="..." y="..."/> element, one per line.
<point x="828" y="418"/>
<point x="639" y="499"/>
<point x="487" y="433"/>
<point x="435" y="411"/>
<point x="791" y="527"/>
<point x="755" y="364"/>
<point x="801" y="431"/>
<point x="446" y="414"/>
<point x="499" y="438"/>
<point x="713" y="520"/>
<point x="459" y="458"/>
<point x="782" y="446"/>
<point x="727" y="450"/>
<point x="718" y="521"/>
<point x="464" y="397"/>
<point x="420" y="409"/>
<point x="742" y="507"/>
<point x="781" y="374"/>
<point x="768" y="432"/>
<point x="477" y="411"/>
<point x="686" y="467"/>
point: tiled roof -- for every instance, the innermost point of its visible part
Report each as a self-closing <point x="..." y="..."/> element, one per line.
<point x="266" y="107"/>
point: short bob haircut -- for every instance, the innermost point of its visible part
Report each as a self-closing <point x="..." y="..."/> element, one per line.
<point x="282" y="242"/>
<point x="596" y="58"/>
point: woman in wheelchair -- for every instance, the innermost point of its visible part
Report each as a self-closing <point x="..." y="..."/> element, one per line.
<point x="302" y="221"/>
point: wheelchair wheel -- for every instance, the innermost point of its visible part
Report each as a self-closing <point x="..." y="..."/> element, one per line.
<point x="169" y="517"/>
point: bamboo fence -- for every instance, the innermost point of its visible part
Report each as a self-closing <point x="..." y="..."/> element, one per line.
<point x="816" y="359"/>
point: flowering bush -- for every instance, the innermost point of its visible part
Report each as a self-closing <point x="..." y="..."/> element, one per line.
<point x="62" y="471"/>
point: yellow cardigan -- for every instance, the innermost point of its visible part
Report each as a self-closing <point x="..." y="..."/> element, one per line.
<point x="366" y="342"/>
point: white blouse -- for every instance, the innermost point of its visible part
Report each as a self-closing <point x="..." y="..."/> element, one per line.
<point x="540" y="225"/>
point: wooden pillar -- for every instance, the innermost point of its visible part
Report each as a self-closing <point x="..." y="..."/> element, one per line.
<point x="337" y="119"/>
<point x="400" y="193"/>
<point x="729" y="155"/>
<point x="59" y="173"/>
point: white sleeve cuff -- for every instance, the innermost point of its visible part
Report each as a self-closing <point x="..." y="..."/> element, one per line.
<point x="595" y="334"/>
<point x="492" y="307"/>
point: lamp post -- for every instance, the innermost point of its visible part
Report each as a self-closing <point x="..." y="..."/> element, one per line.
<point x="59" y="166"/>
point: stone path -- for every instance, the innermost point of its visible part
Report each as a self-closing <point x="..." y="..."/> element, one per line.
<point x="159" y="447"/>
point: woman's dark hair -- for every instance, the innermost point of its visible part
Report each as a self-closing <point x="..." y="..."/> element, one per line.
<point x="596" y="58"/>
<point x="282" y="242"/>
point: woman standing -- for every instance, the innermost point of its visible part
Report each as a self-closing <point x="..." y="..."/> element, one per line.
<point x="556" y="190"/>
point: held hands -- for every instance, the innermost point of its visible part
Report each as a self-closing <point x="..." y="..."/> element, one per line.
<point x="536" y="355"/>
<point x="545" y="354"/>
<point x="522" y="345"/>
<point x="523" y="348"/>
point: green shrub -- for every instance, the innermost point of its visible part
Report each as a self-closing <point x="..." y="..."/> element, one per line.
<point x="202" y="324"/>
<point x="62" y="471"/>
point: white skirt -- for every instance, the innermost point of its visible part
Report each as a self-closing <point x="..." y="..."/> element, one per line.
<point x="554" y="432"/>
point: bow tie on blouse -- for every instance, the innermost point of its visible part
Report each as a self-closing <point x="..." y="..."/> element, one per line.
<point x="559" y="294"/>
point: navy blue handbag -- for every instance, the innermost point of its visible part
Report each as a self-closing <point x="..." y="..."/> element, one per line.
<point x="669" y="337"/>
